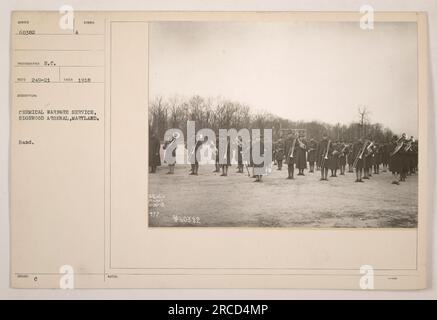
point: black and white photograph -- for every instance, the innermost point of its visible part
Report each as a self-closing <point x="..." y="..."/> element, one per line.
<point x="283" y="125"/>
<point x="258" y="151"/>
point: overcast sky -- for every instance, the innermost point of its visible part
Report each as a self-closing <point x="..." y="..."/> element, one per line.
<point x="299" y="71"/>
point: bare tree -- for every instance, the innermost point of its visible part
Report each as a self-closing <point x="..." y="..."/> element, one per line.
<point x="221" y="113"/>
<point x="158" y="113"/>
<point x="364" y="119"/>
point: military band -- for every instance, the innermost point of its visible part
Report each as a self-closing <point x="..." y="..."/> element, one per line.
<point x="362" y="156"/>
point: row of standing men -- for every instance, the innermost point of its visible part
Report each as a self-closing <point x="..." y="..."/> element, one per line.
<point x="400" y="156"/>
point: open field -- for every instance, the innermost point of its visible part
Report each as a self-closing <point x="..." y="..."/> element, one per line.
<point x="209" y="200"/>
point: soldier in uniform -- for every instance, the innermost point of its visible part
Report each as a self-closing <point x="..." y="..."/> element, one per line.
<point x="343" y="149"/>
<point x="251" y="163"/>
<point x="279" y="153"/>
<point x="396" y="157"/>
<point x="411" y="157"/>
<point x="323" y="156"/>
<point x="312" y="153"/>
<point x="377" y="158"/>
<point x="154" y="157"/>
<point x="358" y="156"/>
<point x="172" y="142"/>
<point x="368" y="160"/>
<point x="217" y="157"/>
<point x="350" y="157"/>
<point x="259" y="169"/>
<point x="195" y="155"/>
<point x="415" y="151"/>
<point x="290" y="154"/>
<point x="240" y="154"/>
<point x="274" y="153"/>
<point x="227" y="158"/>
<point x="385" y="156"/>
<point x="333" y="162"/>
<point x="317" y="156"/>
<point x="301" y="154"/>
<point x="405" y="153"/>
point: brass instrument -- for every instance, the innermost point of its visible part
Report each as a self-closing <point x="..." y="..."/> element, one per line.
<point x="325" y="157"/>
<point x="400" y="139"/>
<point x="408" y="145"/>
<point x="399" y="145"/>
<point x="301" y="144"/>
<point x="239" y="143"/>
<point x="360" y="155"/>
<point x="169" y="142"/>
<point x="343" y="150"/>
<point x="176" y="135"/>
<point x="292" y="148"/>
<point x="369" y="148"/>
<point x="310" y="148"/>
<point x="327" y="149"/>
<point x="193" y="150"/>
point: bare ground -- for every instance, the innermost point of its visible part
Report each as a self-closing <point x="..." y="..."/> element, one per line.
<point x="209" y="200"/>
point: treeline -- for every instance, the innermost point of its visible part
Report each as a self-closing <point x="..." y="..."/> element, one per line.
<point x="220" y="113"/>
